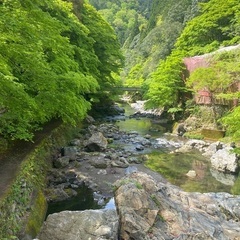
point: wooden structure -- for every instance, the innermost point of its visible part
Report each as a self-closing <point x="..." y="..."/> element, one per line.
<point x="205" y="96"/>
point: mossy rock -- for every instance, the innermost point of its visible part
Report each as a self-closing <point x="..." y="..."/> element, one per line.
<point x="212" y="134"/>
<point x="37" y="215"/>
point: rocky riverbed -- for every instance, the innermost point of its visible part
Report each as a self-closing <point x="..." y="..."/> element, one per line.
<point x="147" y="206"/>
<point x="92" y="160"/>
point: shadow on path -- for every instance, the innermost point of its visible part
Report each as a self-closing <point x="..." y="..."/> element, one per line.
<point x="10" y="161"/>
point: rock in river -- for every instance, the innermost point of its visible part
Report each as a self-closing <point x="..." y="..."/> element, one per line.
<point x="97" y="142"/>
<point x="81" y="225"/>
<point x="155" y="210"/>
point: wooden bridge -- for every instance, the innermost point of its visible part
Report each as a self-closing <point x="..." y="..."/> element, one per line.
<point x="129" y="89"/>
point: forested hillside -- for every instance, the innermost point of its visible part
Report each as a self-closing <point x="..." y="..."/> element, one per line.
<point x="147" y="31"/>
<point x="216" y="26"/>
<point x="53" y="63"/>
<point x="163" y="34"/>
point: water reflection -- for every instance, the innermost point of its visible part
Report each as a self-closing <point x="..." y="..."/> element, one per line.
<point x="82" y="201"/>
<point x="175" y="166"/>
<point x="110" y="204"/>
<point x="85" y="199"/>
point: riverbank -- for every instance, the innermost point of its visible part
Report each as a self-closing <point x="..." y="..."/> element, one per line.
<point x="98" y="155"/>
<point x="23" y="204"/>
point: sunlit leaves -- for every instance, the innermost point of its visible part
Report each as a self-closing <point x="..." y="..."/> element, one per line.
<point x="166" y="83"/>
<point x="217" y="24"/>
<point x="106" y="45"/>
<point x="222" y="72"/>
<point x="134" y="78"/>
<point x="231" y="121"/>
<point x="49" y="64"/>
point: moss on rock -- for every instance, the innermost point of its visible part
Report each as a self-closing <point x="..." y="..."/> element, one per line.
<point x="37" y="214"/>
<point x="23" y="206"/>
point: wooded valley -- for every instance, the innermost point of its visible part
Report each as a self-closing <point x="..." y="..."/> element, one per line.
<point x="55" y="61"/>
<point x="59" y="57"/>
<point x="162" y="35"/>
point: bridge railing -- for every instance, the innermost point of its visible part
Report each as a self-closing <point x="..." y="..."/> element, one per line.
<point x="129" y="89"/>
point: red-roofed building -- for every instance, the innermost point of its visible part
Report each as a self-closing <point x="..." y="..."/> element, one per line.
<point x="205" y="96"/>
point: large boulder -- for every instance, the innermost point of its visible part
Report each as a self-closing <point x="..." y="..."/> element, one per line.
<point x="224" y="160"/>
<point x="97" y="142"/>
<point x="155" y="210"/>
<point x="81" y="225"/>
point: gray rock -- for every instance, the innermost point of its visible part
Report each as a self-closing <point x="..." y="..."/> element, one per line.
<point x="212" y="149"/>
<point x="191" y="174"/>
<point x="141" y="141"/>
<point x="70" y="152"/>
<point x="99" y="163"/>
<point x="130" y="170"/>
<point x="136" y="160"/>
<point x="81" y="225"/>
<point x="59" y="194"/>
<point x="168" y="143"/>
<point x="61" y="162"/>
<point x="156" y="210"/>
<point x="76" y="142"/>
<point x="225" y="161"/>
<point x="139" y="147"/>
<point x="89" y="119"/>
<point x="226" y="179"/>
<point x="197" y="144"/>
<point x="119" y="164"/>
<point x="97" y="142"/>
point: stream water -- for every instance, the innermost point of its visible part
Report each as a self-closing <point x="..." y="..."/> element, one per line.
<point x="172" y="166"/>
<point x="175" y="166"/>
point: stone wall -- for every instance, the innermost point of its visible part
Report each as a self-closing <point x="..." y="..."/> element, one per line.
<point x="24" y="199"/>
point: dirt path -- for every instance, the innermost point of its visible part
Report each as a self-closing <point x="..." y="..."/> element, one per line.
<point x="11" y="160"/>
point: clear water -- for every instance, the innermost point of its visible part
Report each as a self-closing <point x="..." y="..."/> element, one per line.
<point x="175" y="166"/>
<point x="142" y="125"/>
<point x="82" y="201"/>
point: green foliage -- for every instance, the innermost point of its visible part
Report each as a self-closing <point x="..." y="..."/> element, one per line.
<point x="211" y="77"/>
<point x="231" y="121"/>
<point x="37" y="215"/>
<point x="147" y="31"/>
<point x="175" y="110"/>
<point x="156" y="39"/>
<point x="127" y="181"/>
<point x="31" y="178"/>
<point x="220" y="76"/>
<point x="217" y="24"/>
<point x="166" y="84"/>
<point x="126" y="17"/>
<point x="49" y="62"/>
<point x="194" y="135"/>
<point x="106" y="46"/>
<point x="132" y="80"/>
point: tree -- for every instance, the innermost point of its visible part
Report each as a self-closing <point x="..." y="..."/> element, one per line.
<point x="50" y="63"/>
<point x="166" y="86"/>
<point x="216" y="24"/>
<point x="106" y="46"/>
<point x="231" y="122"/>
<point x="222" y="72"/>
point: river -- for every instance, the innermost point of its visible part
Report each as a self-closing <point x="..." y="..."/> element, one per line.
<point x="175" y="166"/>
<point x="172" y="166"/>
